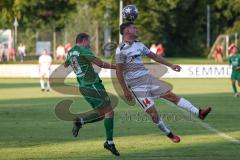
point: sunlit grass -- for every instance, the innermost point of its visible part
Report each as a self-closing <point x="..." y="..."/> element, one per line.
<point x="30" y="129"/>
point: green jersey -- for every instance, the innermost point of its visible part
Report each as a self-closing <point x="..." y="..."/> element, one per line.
<point x="79" y="58"/>
<point x="234" y="60"/>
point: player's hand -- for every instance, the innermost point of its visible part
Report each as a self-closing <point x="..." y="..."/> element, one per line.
<point x="128" y="95"/>
<point x="176" y="68"/>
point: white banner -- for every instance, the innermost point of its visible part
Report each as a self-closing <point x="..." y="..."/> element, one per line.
<point x="200" y="71"/>
<point x="188" y="71"/>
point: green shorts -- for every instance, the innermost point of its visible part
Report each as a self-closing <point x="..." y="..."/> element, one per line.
<point x="235" y="76"/>
<point x="96" y="95"/>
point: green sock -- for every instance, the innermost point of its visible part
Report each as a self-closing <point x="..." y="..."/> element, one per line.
<point x="108" y="123"/>
<point x="234" y="88"/>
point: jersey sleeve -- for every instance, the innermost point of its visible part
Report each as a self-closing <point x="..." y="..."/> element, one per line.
<point x="229" y="60"/>
<point x="120" y="57"/>
<point x="67" y="61"/>
<point x="145" y="50"/>
<point x="88" y="54"/>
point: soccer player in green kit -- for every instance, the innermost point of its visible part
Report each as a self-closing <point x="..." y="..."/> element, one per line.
<point x="234" y="61"/>
<point x="80" y="58"/>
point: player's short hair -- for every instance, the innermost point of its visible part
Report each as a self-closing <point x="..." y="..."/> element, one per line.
<point x="81" y="36"/>
<point x="124" y="25"/>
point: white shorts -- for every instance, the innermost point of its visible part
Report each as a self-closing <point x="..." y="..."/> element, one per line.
<point x="147" y="88"/>
<point x="44" y="73"/>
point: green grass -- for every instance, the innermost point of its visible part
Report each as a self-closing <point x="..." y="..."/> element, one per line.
<point x="29" y="128"/>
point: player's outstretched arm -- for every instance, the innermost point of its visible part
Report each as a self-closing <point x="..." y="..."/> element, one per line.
<point x="66" y="65"/>
<point x="102" y="64"/>
<point x="164" y="61"/>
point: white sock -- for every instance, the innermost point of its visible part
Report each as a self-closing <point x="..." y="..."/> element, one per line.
<point x="162" y="126"/>
<point x="110" y="142"/>
<point x="42" y="84"/>
<point x="48" y="85"/>
<point x="82" y="121"/>
<point x="183" y="103"/>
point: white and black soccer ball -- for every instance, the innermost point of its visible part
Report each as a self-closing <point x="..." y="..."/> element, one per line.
<point x="130" y="12"/>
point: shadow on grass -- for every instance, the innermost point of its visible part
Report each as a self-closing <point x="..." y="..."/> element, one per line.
<point x="210" y="151"/>
<point x="18" y="85"/>
<point x="30" y="122"/>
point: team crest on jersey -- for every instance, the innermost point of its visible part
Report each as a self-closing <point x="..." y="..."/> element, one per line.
<point x="135" y="56"/>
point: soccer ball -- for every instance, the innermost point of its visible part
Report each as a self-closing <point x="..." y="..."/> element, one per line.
<point x="130" y="12"/>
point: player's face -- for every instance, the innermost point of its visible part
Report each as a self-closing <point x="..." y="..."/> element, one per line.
<point x="133" y="30"/>
<point x="86" y="42"/>
<point x="44" y="52"/>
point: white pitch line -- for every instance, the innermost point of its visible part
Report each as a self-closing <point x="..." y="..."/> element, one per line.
<point x="207" y="126"/>
<point x="221" y="134"/>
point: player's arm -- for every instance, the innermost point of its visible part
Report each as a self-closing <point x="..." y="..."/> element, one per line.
<point x="164" y="61"/>
<point x="102" y="64"/>
<point x="66" y="65"/>
<point x="119" y="74"/>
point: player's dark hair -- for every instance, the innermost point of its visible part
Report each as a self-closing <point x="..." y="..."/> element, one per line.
<point x="81" y="36"/>
<point x="124" y="25"/>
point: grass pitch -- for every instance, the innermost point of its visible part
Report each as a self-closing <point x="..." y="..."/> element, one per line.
<point x="29" y="128"/>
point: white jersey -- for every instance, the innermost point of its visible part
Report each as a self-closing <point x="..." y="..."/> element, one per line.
<point x="45" y="62"/>
<point x="131" y="58"/>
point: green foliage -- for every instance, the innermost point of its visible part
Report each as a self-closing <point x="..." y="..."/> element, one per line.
<point x="179" y="24"/>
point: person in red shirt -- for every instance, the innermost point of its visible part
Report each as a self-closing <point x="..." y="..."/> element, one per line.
<point x="68" y="46"/>
<point x="218" y="54"/>
<point x="160" y="49"/>
<point x="12" y="54"/>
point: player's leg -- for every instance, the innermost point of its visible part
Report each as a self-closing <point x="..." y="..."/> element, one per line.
<point x="185" y="104"/>
<point x="47" y="75"/>
<point x="234" y="77"/>
<point x="107" y="114"/>
<point x="97" y="96"/>
<point x="48" y="84"/>
<point x="147" y="103"/>
<point x="42" y="82"/>
<point x="159" y="122"/>
<point x="109" y="125"/>
<point x="234" y="87"/>
<point x="98" y="103"/>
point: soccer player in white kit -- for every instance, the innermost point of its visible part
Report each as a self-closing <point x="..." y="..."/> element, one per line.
<point x="136" y="81"/>
<point x="45" y="62"/>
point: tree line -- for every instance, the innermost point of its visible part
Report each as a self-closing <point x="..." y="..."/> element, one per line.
<point x="179" y="24"/>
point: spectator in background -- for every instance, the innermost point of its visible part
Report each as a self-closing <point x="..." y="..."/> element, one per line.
<point x="232" y="49"/>
<point x="45" y="61"/>
<point x="68" y="46"/>
<point x="21" y="51"/>
<point x="153" y="49"/>
<point x="6" y="52"/>
<point x="234" y="61"/>
<point x="160" y="49"/>
<point x="1" y="51"/>
<point x="218" y="53"/>
<point x="60" y="52"/>
<point x="12" y="54"/>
